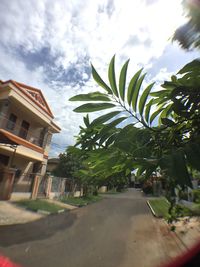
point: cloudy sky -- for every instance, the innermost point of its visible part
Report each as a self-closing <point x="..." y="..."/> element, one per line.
<point x="49" y="44"/>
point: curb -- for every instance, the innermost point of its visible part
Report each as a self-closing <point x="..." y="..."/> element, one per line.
<point x="61" y="211"/>
<point x="153" y="212"/>
<point x="44" y="212"/>
<point x="176" y="236"/>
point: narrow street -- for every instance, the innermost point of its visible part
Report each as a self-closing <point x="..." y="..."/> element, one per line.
<point x="118" y="231"/>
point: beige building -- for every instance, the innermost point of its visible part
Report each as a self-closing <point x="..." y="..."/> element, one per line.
<point x="52" y="164"/>
<point x="26" y="129"/>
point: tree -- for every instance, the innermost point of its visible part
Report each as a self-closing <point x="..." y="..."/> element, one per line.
<point x="188" y="35"/>
<point x="171" y="144"/>
<point x="69" y="163"/>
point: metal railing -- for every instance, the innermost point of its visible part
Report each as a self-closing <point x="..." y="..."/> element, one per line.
<point x="17" y="130"/>
<point x="23" y="183"/>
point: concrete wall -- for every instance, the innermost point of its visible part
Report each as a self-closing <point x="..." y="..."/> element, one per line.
<point x="18" y="196"/>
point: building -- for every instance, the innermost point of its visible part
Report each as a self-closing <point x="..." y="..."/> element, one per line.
<point x="52" y="164"/>
<point x="26" y="129"/>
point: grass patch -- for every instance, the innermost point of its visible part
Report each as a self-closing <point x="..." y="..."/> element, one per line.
<point x="38" y="204"/>
<point x="160" y="207"/>
<point x="195" y="209"/>
<point x="80" y="201"/>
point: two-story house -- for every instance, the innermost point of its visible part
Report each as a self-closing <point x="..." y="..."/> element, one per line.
<point x="26" y="129"/>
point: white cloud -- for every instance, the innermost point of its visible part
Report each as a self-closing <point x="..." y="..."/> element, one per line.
<point x="76" y="33"/>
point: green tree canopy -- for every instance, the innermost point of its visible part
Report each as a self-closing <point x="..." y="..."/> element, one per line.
<point x="188" y="35"/>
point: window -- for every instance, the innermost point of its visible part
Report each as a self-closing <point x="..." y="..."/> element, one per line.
<point x="24" y="129"/>
<point x="11" y="122"/>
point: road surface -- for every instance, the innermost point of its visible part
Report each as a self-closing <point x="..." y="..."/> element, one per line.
<point x="118" y="231"/>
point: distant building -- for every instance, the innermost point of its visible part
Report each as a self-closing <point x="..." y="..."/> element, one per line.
<point x="26" y="129"/>
<point x="52" y="164"/>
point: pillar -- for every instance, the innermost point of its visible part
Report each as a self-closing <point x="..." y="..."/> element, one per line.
<point x="36" y="184"/>
<point x="7" y="176"/>
<point x="48" y="186"/>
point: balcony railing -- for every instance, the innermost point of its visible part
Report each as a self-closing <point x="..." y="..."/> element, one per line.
<point x="17" y="130"/>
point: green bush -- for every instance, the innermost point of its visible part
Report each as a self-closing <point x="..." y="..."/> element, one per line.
<point x="183" y="195"/>
<point x="196" y="194"/>
<point x="195" y="209"/>
<point x="181" y="211"/>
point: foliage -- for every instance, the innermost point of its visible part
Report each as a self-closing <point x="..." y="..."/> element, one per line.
<point x="188" y="35"/>
<point x="169" y="135"/>
<point x="181" y="211"/>
<point x="171" y="145"/>
<point x="183" y="195"/>
<point x="195" y="174"/>
<point x="161" y="208"/>
<point x="196" y="195"/>
<point x="195" y="209"/>
<point x="69" y="163"/>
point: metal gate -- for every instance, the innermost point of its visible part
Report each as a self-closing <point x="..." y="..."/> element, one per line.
<point x="42" y="186"/>
<point x="24" y="183"/>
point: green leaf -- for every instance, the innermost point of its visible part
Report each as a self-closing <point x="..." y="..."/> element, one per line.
<point x="91" y="107"/>
<point x="95" y="96"/>
<point x="165" y="113"/>
<point x="86" y="121"/>
<point x="155" y="114"/>
<point x="160" y="93"/>
<point x="128" y="171"/>
<point x="111" y="76"/>
<point x="104" y="118"/>
<point x="136" y="92"/>
<point x="192" y="151"/>
<point x="133" y="86"/>
<point x="98" y="79"/>
<point x="140" y="170"/>
<point x="104" y="132"/>
<point x="111" y="139"/>
<point x="167" y="122"/>
<point x="190" y="67"/>
<point x="144" y="97"/>
<point x="113" y="124"/>
<point x="122" y="79"/>
<point x="147" y="110"/>
<point x="175" y="166"/>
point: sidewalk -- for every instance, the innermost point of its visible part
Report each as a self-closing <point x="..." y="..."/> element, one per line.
<point x="11" y="214"/>
<point x="188" y="230"/>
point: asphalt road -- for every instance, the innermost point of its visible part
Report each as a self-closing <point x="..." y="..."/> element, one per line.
<point x="118" y="231"/>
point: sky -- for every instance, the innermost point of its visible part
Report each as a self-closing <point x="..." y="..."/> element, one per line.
<point x="50" y="44"/>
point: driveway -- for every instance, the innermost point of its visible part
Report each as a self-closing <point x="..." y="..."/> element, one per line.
<point x="117" y="231"/>
<point x="12" y="214"/>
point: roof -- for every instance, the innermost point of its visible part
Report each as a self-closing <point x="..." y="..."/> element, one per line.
<point x="34" y="94"/>
<point x="53" y="160"/>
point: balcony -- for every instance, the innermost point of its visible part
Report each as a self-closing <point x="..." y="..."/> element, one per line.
<point x="23" y="130"/>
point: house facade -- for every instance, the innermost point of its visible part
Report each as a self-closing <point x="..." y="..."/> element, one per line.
<point x="26" y="129"/>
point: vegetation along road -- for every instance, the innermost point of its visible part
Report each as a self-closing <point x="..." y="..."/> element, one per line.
<point x="116" y="231"/>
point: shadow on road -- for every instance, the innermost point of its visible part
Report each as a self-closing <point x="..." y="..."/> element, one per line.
<point x="37" y="230"/>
